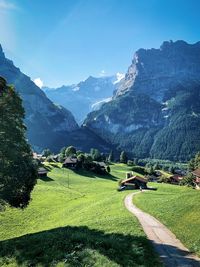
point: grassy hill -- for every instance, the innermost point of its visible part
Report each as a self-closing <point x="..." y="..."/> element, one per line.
<point x="176" y="207"/>
<point x="83" y="225"/>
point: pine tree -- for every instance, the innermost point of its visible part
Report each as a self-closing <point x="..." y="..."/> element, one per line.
<point x="111" y="156"/>
<point x="17" y="169"/>
<point x="123" y="157"/>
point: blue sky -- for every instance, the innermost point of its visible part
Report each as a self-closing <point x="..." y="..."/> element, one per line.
<point x="65" y="41"/>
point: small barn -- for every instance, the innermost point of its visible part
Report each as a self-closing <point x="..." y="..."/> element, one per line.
<point x="70" y="163"/>
<point x="42" y="172"/>
<point x="135" y="182"/>
<point x="196" y="173"/>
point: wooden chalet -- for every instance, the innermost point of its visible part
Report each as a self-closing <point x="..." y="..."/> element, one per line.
<point x="70" y="162"/>
<point x="196" y="173"/>
<point x="42" y="172"/>
<point x="134" y="182"/>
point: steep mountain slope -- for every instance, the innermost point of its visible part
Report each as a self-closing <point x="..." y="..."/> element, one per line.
<point x="44" y="120"/>
<point x="86" y="96"/>
<point x="156" y="110"/>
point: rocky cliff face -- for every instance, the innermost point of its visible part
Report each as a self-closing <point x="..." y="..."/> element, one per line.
<point x="155" y="71"/>
<point x="155" y="111"/>
<point x="45" y="121"/>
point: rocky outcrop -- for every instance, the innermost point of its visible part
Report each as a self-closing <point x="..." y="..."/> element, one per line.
<point x="155" y="71"/>
<point x="155" y="111"/>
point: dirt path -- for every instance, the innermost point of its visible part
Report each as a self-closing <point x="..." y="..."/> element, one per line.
<point x="171" y="251"/>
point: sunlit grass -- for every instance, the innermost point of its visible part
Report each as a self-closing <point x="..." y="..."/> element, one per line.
<point x="85" y="224"/>
<point x="178" y="208"/>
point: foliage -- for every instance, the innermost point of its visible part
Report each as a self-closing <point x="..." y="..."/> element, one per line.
<point x="172" y="135"/>
<point x="17" y="170"/>
<point x="70" y="151"/>
<point x="46" y="152"/>
<point x="188" y="180"/>
<point x="123" y="157"/>
<point x="195" y="162"/>
<point x="108" y="169"/>
<point x="111" y="156"/>
<point x="95" y="154"/>
<point x="130" y="163"/>
<point x="139" y="169"/>
<point x="164" y="179"/>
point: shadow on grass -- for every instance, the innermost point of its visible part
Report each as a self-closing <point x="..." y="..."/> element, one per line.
<point x="76" y="246"/>
<point x="46" y="179"/>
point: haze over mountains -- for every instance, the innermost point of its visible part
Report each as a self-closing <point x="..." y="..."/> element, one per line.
<point x="85" y="96"/>
<point x="154" y="111"/>
<point x="49" y="125"/>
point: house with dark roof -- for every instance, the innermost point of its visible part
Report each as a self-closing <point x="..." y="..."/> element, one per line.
<point x="196" y="173"/>
<point x="70" y="162"/>
<point x="42" y="172"/>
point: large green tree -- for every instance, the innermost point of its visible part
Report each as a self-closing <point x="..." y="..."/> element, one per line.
<point x="18" y="172"/>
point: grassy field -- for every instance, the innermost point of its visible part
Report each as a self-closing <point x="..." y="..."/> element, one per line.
<point x="178" y="208"/>
<point x="83" y="225"/>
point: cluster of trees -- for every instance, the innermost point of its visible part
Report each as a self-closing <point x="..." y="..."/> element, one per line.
<point x="18" y="172"/>
<point x="193" y="164"/>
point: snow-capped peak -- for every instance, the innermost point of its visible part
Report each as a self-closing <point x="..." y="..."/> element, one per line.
<point x="119" y="77"/>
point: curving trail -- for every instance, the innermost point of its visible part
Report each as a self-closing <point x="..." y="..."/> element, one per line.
<point x="171" y="251"/>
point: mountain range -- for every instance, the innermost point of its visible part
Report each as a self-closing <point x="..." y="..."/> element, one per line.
<point x="48" y="125"/>
<point x="155" y="111"/>
<point x="85" y="96"/>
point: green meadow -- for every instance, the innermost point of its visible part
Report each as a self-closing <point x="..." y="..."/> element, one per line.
<point x="75" y="219"/>
<point x="178" y="208"/>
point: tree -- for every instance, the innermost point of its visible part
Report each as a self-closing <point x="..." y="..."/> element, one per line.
<point x="111" y="157"/>
<point x="188" y="180"/>
<point x="123" y="157"/>
<point x="172" y="169"/>
<point x="70" y="151"/>
<point x="95" y="154"/>
<point x="18" y="171"/>
<point x="46" y="152"/>
<point x="108" y="169"/>
<point x="195" y="162"/>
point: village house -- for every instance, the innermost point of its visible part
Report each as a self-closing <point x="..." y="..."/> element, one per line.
<point x="196" y="173"/>
<point x="133" y="182"/>
<point x="70" y="162"/>
<point x="42" y="172"/>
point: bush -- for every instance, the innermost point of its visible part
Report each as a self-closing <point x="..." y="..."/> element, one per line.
<point x="188" y="180"/>
<point x="163" y="179"/>
<point x="130" y="163"/>
<point x="139" y="169"/>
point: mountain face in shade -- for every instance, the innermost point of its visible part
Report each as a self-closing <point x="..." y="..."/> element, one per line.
<point x="155" y="111"/>
<point x="84" y="97"/>
<point x="46" y="122"/>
